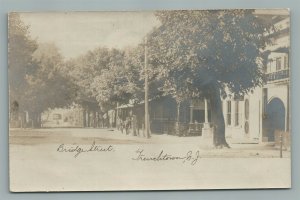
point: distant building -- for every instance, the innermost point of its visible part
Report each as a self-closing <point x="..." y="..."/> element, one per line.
<point x="61" y="117"/>
<point x="75" y="116"/>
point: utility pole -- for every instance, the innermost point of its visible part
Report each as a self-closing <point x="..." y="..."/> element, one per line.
<point x="147" y="125"/>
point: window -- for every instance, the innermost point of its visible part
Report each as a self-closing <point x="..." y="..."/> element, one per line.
<point x="246" y="109"/>
<point x="57" y="116"/>
<point x="236" y="113"/>
<point x="228" y="113"/>
<point x="158" y="113"/>
<point x="278" y="64"/>
<point x="246" y="125"/>
<point x="269" y="67"/>
<point x="285" y="62"/>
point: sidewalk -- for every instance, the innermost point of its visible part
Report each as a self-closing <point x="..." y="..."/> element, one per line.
<point x="113" y="136"/>
<point x="239" y="148"/>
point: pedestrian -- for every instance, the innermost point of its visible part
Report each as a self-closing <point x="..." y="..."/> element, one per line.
<point x="127" y="125"/>
<point x="134" y="125"/>
<point x="121" y="125"/>
<point x="118" y="121"/>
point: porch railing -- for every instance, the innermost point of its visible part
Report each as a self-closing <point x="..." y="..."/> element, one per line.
<point x="274" y="76"/>
<point x="195" y="129"/>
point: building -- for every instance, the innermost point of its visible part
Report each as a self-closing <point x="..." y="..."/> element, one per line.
<point x="261" y="115"/>
<point x="165" y="116"/>
<point x="77" y="116"/>
<point x="61" y="117"/>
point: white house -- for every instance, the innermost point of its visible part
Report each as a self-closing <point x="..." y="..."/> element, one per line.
<point x="258" y="116"/>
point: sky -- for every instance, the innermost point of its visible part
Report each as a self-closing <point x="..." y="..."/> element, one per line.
<point x="75" y="33"/>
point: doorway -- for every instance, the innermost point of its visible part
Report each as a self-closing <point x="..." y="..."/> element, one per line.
<point x="275" y="120"/>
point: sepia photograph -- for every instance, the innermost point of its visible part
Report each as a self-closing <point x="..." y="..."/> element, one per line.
<point x="149" y="100"/>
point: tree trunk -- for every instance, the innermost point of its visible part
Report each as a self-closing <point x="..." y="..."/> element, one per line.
<point x="36" y="119"/>
<point x="177" y="126"/>
<point x="84" y="117"/>
<point x="97" y="119"/>
<point x="88" y="118"/>
<point x="94" y="119"/>
<point x="107" y="120"/>
<point x="39" y="119"/>
<point x="217" y="118"/>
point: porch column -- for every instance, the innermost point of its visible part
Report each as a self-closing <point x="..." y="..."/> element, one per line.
<point x="206" y="130"/>
<point x="287" y="109"/>
<point x="191" y="114"/>
<point x="117" y="117"/>
<point x="191" y="118"/>
<point x="206" y="111"/>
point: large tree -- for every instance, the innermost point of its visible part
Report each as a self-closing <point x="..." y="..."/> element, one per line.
<point x="82" y="70"/>
<point x="208" y="53"/>
<point x="119" y="81"/>
<point x="20" y="49"/>
<point x="47" y="85"/>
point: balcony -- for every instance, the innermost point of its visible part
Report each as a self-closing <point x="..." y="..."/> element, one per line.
<point x="279" y="75"/>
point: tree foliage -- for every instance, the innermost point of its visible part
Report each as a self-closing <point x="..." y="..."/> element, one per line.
<point x="220" y="46"/>
<point x="48" y="87"/>
<point x="82" y="70"/>
<point x="21" y="48"/>
<point x="119" y="81"/>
